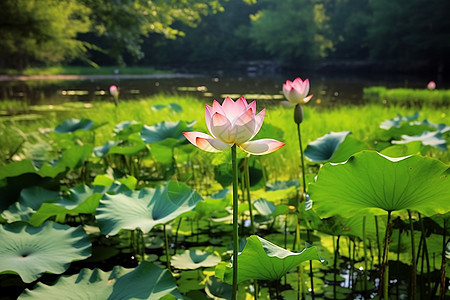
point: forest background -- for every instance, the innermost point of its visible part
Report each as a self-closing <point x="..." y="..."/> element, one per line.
<point x="369" y="35"/>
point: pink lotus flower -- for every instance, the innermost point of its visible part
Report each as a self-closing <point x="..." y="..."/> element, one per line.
<point x="431" y="85"/>
<point x="233" y="123"/>
<point x="114" y="91"/>
<point x="296" y="91"/>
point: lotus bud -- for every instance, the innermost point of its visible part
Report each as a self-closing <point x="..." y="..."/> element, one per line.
<point x="298" y="114"/>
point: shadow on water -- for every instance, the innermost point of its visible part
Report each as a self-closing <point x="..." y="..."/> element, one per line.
<point x="329" y="89"/>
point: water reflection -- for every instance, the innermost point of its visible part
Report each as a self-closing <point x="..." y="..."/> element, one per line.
<point x="328" y="90"/>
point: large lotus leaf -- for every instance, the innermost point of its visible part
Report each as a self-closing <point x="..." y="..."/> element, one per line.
<point x="176" y="108"/>
<point x="194" y="259"/>
<point x="81" y="199"/>
<point x="167" y="133"/>
<point x="411" y="148"/>
<point x="433" y="138"/>
<point x="334" y="147"/>
<point x="124" y="129"/>
<point x="145" y="208"/>
<point x="146" y="281"/>
<point x="263" y="260"/>
<point x="397" y="121"/>
<point x="71" y="158"/>
<point x="442" y="128"/>
<point x="267" y="208"/>
<point x="73" y="125"/>
<point x="372" y="182"/>
<point x="30" y="251"/>
<point x="30" y="200"/>
<point x="282" y="185"/>
<point x="214" y="208"/>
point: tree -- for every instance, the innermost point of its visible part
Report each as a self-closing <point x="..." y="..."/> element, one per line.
<point x="292" y="30"/>
<point x="42" y="31"/>
<point x="119" y="26"/>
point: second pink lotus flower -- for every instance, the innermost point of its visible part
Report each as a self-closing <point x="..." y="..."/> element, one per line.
<point x="233" y="123"/>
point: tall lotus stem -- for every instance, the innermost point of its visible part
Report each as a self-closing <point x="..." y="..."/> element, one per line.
<point x="384" y="271"/>
<point x="247" y="189"/>
<point x="235" y="221"/>
<point x="166" y="244"/>
<point x="443" y="263"/>
<point x="413" y="259"/>
<point x="365" y="253"/>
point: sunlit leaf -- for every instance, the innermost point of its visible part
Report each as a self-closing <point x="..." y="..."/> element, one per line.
<point x="146" y="281"/>
<point x="371" y="182"/>
<point x="334" y="147"/>
<point x="30" y="251"/>
<point x="433" y="138"/>
<point x="167" y="133"/>
<point x="263" y="260"/>
<point x="194" y="259"/>
<point x="145" y="208"/>
<point x="267" y="208"/>
<point x="73" y="125"/>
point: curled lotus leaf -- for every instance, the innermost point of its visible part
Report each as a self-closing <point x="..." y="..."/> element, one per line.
<point x="146" y="281"/>
<point x="145" y="208"/>
<point x="167" y="133"/>
<point x="334" y="147"/>
<point x="427" y="138"/>
<point x="264" y="260"/>
<point x="194" y="259"/>
<point x="73" y="125"/>
<point x="31" y="251"/>
<point x="370" y="182"/>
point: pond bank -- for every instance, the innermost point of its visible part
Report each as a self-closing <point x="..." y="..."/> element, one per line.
<point x="96" y="77"/>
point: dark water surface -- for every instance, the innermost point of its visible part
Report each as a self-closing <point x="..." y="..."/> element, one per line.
<point x="328" y="89"/>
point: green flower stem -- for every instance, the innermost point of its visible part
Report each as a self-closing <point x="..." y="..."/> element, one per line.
<point x="442" y="288"/>
<point x="365" y="253"/>
<point x="302" y="199"/>
<point x="247" y="188"/>
<point x="166" y="244"/>
<point x="413" y="259"/>
<point x="384" y="271"/>
<point x="235" y="222"/>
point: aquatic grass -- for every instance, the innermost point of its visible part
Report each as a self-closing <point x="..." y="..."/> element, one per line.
<point x="408" y="97"/>
<point x="363" y="121"/>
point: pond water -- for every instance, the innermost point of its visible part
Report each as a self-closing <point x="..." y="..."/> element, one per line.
<point x="328" y="88"/>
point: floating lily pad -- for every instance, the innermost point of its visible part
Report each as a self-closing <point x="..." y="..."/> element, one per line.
<point x="167" y="133"/>
<point x="370" y="182"/>
<point x="147" y="281"/>
<point x="29" y="251"/>
<point x="194" y="259"/>
<point x="267" y="208"/>
<point x="263" y="260"/>
<point x="81" y="199"/>
<point x="334" y="147"/>
<point x="73" y="125"/>
<point x="146" y="208"/>
<point x="427" y="138"/>
<point x="71" y="158"/>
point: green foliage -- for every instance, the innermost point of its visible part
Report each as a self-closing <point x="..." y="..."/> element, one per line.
<point x="29" y="251"/>
<point x="300" y="28"/>
<point x="407" y="97"/>
<point x="42" y="31"/>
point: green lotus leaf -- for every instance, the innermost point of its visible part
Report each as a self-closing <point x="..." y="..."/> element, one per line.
<point x="71" y="158"/>
<point x="30" y="200"/>
<point x="146" y="281"/>
<point x="124" y="129"/>
<point x="167" y="133"/>
<point x="370" y="182"/>
<point x="146" y="208"/>
<point x="101" y="151"/>
<point x="194" y="259"/>
<point x="218" y="290"/>
<point x="398" y="121"/>
<point x="282" y="185"/>
<point x="433" y="138"/>
<point x="333" y="147"/>
<point x="29" y="251"/>
<point x="73" y="125"/>
<point x="82" y="199"/>
<point x="399" y="150"/>
<point x="263" y="260"/>
<point x="267" y="208"/>
<point x="442" y="128"/>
